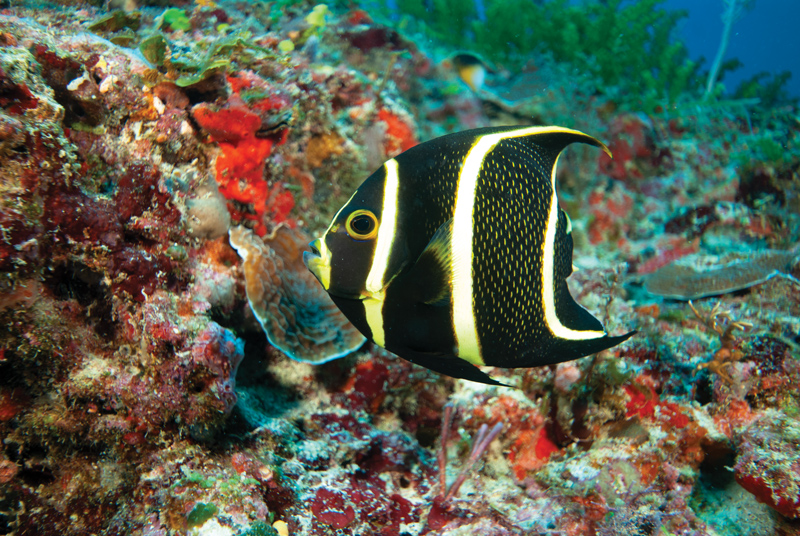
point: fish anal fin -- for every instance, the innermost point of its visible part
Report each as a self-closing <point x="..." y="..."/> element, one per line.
<point x="448" y="365"/>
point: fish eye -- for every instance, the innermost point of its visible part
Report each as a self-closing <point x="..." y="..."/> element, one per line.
<point x="362" y="225"/>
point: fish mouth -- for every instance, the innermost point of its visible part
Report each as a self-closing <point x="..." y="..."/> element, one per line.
<point x="318" y="262"/>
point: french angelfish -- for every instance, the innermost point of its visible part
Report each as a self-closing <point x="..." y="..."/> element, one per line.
<point x="455" y="254"/>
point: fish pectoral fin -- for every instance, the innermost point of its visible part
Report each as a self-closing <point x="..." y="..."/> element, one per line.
<point x="432" y="273"/>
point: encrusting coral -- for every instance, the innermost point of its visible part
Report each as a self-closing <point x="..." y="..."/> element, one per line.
<point x="698" y="276"/>
<point x="768" y="462"/>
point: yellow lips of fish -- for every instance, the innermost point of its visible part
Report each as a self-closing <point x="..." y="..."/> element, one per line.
<point x="319" y="262"/>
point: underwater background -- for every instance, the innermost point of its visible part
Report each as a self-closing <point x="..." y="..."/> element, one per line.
<point x="168" y="365"/>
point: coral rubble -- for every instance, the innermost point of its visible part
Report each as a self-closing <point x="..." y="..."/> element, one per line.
<point x="167" y="362"/>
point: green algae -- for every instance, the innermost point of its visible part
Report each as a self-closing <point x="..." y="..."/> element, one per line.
<point x="154" y="49"/>
<point x="176" y="19"/>
<point x="317" y="17"/>
<point x="259" y="528"/>
<point x="201" y="513"/>
<point x="115" y="21"/>
<point x="629" y="47"/>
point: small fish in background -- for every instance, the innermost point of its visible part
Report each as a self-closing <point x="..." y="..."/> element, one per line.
<point x="455" y="254"/>
<point x="471" y="69"/>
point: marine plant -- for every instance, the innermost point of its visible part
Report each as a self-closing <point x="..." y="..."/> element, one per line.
<point x="176" y="19"/>
<point x="733" y="11"/>
<point x="769" y="88"/>
<point x="628" y="47"/>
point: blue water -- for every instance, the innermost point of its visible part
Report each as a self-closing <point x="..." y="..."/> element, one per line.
<point x="765" y="38"/>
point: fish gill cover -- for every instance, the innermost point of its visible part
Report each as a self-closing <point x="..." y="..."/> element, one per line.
<point x="140" y="395"/>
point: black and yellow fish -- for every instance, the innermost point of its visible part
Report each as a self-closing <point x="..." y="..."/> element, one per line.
<point x="456" y="254"/>
<point x="471" y="69"/>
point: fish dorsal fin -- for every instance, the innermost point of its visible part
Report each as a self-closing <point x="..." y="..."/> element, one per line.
<point x="557" y="139"/>
<point x="433" y="270"/>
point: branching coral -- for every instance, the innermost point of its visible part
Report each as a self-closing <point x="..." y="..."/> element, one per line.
<point x="724" y="325"/>
<point x="480" y="443"/>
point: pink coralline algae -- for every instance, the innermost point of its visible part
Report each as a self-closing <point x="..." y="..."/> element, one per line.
<point x="768" y="462"/>
<point x="333" y="508"/>
<point x="190" y="377"/>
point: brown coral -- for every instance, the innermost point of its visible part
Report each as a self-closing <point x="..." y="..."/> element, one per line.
<point x="698" y="276"/>
<point x="297" y="315"/>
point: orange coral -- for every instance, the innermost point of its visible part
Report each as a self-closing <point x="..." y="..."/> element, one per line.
<point x="399" y="135"/>
<point x="642" y="398"/>
<point x="240" y="165"/>
<point x="322" y="147"/>
<point x="530" y="451"/>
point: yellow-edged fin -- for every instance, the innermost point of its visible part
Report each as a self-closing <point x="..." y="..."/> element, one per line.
<point x="464" y="322"/>
<point x="554" y="324"/>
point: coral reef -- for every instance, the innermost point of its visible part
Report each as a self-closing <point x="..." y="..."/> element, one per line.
<point x="769" y="460"/>
<point x="167" y="362"/>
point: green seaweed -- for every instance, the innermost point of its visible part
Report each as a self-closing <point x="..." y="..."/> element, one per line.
<point x="216" y="60"/>
<point x="259" y="528"/>
<point x="201" y="513"/>
<point x="124" y="38"/>
<point x="176" y="19"/>
<point x="194" y="67"/>
<point x="154" y="49"/>
<point x="115" y="21"/>
<point x="318" y="16"/>
<point x="206" y="70"/>
<point x="629" y="47"/>
<point x="768" y="88"/>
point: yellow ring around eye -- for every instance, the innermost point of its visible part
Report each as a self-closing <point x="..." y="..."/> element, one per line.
<point x="373" y="231"/>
